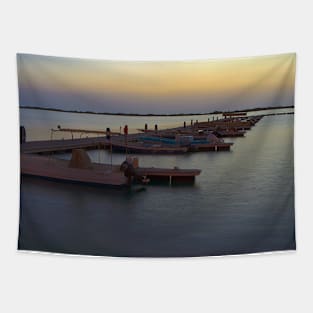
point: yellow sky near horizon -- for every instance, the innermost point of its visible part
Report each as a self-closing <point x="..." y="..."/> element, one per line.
<point x="158" y="79"/>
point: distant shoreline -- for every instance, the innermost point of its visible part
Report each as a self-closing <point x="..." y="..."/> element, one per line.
<point x="155" y="115"/>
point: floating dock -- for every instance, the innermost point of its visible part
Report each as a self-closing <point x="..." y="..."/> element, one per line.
<point x="205" y="138"/>
<point x="63" y="145"/>
<point x="171" y="176"/>
<point x="99" y="174"/>
<point x="140" y="148"/>
<point x="134" y="146"/>
<point x="57" y="169"/>
<point x="196" y="137"/>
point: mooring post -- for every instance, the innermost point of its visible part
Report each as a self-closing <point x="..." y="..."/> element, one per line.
<point x="108" y="136"/>
<point x="125" y="134"/>
<point x="22" y="134"/>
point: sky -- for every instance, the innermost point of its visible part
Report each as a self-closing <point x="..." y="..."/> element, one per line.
<point x="158" y="87"/>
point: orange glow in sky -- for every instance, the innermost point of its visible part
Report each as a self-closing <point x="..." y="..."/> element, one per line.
<point x="164" y="81"/>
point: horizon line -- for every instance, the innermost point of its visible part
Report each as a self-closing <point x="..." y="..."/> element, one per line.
<point x="153" y="114"/>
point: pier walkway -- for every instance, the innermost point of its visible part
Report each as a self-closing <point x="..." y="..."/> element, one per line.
<point x="98" y="174"/>
<point x="57" y="169"/>
<point x="63" y="145"/>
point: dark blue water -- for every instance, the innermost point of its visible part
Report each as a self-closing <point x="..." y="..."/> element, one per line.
<point x="243" y="202"/>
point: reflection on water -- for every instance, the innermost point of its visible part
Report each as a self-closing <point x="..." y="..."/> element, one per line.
<point x="243" y="201"/>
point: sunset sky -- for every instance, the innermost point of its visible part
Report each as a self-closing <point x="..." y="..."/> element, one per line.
<point x="156" y="87"/>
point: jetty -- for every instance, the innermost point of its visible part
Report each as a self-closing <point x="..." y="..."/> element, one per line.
<point x="57" y="169"/>
<point x="63" y="145"/>
<point x="81" y="170"/>
<point x="37" y="159"/>
<point x="171" y="176"/>
<point x="135" y="144"/>
<point x="140" y="148"/>
<point x="196" y="137"/>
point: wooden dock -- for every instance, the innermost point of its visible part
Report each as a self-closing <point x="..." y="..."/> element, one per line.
<point x="57" y="169"/>
<point x="171" y="176"/>
<point x="203" y="139"/>
<point x="140" y="148"/>
<point x="98" y="174"/>
<point x="227" y="127"/>
<point x="222" y="146"/>
<point x="133" y="147"/>
<point x="63" y="145"/>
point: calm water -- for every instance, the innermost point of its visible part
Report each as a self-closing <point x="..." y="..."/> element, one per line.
<point x="38" y="123"/>
<point x="242" y="202"/>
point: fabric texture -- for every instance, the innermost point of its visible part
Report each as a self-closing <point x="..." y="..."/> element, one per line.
<point x="156" y="159"/>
